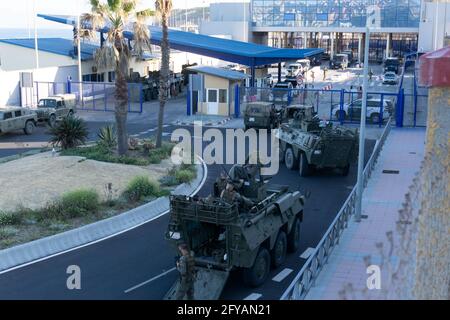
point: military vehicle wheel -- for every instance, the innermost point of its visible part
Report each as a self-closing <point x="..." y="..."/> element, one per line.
<point x="304" y="167"/>
<point x="345" y="170"/>
<point x="52" y="120"/>
<point x="29" y="127"/>
<point x="374" y="118"/>
<point x="257" y="274"/>
<point x="289" y="159"/>
<point x="278" y="253"/>
<point x="293" y="239"/>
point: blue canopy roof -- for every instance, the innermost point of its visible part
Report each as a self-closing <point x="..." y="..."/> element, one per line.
<point x="244" y="53"/>
<point x="58" y="46"/>
<point x="220" y="72"/>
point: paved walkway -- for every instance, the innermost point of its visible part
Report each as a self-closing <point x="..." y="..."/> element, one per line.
<point x="345" y="275"/>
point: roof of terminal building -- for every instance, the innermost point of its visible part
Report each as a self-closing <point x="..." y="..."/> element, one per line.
<point x="58" y="46"/>
<point x="244" y="53"/>
<point x="220" y="72"/>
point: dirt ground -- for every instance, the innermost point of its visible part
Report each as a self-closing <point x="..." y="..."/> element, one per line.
<point x="33" y="181"/>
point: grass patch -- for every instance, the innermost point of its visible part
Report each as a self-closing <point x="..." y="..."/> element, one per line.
<point x="79" y="203"/>
<point x="8" y="232"/>
<point x="183" y="173"/>
<point x="140" y="156"/>
<point x="10" y="218"/>
<point x="141" y="187"/>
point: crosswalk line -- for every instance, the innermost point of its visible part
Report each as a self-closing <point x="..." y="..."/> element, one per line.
<point x="282" y="275"/>
<point x="307" y="253"/>
<point x="253" y="296"/>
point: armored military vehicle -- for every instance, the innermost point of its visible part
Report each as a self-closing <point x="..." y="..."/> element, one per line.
<point x="261" y="115"/>
<point x="226" y="235"/>
<point x="17" y="118"/>
<point x="306" y="142"/>
<point x="55" y="108"/>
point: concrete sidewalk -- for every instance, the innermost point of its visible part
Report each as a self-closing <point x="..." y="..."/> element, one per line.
<point x="345" y="275"/>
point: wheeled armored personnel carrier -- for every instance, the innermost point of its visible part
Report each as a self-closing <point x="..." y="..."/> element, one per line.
<point x="307" y="143"/>
<point x="261" y="115"/>
<point x="224" y="236"/>
<point x="55" y="108"/>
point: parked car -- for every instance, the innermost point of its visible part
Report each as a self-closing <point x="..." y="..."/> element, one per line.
<point x="352" y="110"/>
<point x="339" y="61"/>
<point x="17" y="118"/>
<point x="55" y="108"/>
<point x="295" y="68"/>
<point x="390" y="78"/>
<point x="280" y="92"/>
<point x="392" y="64"/>
<point x="351" y="58"/>
<point x="306" y="64"/>
<point x="272" y="77"/>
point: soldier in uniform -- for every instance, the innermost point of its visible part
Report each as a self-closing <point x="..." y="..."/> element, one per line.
<point x="231" y="196"/>
<point x="186" y="268"/>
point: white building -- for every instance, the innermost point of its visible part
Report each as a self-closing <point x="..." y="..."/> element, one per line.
<point x="57" y="62"/>
<point x="434" y="28"/>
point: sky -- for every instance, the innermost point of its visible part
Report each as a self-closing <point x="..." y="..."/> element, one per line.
<point x="20" y="14"/>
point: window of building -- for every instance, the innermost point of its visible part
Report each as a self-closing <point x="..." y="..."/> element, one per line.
<point x="212" y="95"/>
<point x="111" y="76"/>
<point x="223" y="95"/>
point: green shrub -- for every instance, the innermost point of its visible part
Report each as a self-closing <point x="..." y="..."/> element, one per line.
<point x="141" y="187"/>
<point x="10" y="218"/>
<point x="69" y="133"/>
<point x="107" y="137"/>
<point x="79" y="203"/>
<point x="159" y="154"/>
<point x="7" y="232"/>
<point x="184" y="176"/>
<point x="168" y="180"/>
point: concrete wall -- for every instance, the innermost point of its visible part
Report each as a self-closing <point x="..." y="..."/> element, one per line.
<point x="10" y="91"/>
<point x="434" y="26"/>
<point x="20" y="58"/>
<point x="231" y="20"/>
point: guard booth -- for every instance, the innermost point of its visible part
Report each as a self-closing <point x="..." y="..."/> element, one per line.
<point x="212" y="90"/>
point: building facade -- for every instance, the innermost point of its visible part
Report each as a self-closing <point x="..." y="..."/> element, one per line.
<point x="337" y="25"/>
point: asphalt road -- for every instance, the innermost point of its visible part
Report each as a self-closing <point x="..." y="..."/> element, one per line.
<point x="110" y="269"/>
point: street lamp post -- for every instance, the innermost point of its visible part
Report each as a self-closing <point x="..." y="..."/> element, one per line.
<point x="362" y="130"/>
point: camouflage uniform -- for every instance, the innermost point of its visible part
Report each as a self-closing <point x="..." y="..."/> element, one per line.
<point x="234" y="196"/>
<point x="186" y="268"/>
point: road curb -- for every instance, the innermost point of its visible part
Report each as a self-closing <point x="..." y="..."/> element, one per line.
<point x="45" y="248"/>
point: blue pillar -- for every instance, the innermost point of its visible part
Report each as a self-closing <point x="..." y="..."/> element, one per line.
<point x="188" y="102"/>
<point x="399" y="108"/>
<point x="69" y="85"/>
<point x="237" y="101"/>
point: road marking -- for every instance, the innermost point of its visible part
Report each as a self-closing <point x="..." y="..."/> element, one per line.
<point x="307" y="253"/>
<point x="205" y="175"/>
<point x="253" y="296"/>
<point x="282" y="275"/>
<point x="150" y="280"/>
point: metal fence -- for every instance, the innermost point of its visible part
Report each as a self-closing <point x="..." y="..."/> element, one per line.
<point x="305" y="279"/>
<point x="332" y="105"/>
<point x="92" y="96"/>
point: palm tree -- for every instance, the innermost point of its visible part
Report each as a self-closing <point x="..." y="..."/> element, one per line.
<point x="115" y="16"/>
<point x="163" y="8"/>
